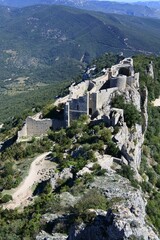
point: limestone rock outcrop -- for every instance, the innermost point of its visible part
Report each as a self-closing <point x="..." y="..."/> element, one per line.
<point x="125" y="219"/>
<point x="61" y="176"/>
<point x="150" y="70"/>
<point x="56" y="236"/>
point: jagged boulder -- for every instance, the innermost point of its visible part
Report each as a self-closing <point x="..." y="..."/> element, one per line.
<point x="67" y="199"/>
<point x="60" y="177"/>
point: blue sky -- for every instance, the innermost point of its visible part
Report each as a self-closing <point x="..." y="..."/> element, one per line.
<point x="129" y="1"/>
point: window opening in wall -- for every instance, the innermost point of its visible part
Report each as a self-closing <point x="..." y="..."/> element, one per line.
<point x="78" y="107"/>
<point x="90" y="111"/>
<point x="124" y="71"/>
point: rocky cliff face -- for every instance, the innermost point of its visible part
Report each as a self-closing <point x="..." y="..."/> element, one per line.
<point x="130" y="140"/>
<point x="126" y="219"/>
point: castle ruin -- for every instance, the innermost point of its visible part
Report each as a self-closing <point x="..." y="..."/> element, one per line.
<point x="87" y="97"/>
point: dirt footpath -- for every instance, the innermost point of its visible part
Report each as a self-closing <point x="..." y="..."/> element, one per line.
<point x="40" y="170"/>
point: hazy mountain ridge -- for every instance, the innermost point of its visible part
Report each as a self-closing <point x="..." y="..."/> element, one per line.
<point x="153" y="4"/>
<point x="42" y="37"/>
<point x="142" y="9"/>
<point x="19" y="3"/>
<point x="122" y="8"/>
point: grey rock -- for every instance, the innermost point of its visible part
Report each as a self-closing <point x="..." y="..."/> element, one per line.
<point x="63" y="175"/>
<point x="56" y="236"/>
<point x="68" y="199"/>
<point x="125" y="219"/>
<point x="48" y="217"/>
<point x="151" y="70"/>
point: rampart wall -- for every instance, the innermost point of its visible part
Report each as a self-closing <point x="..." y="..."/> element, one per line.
<point x="79" y="89"/>
<point x="125" y="67"/>
<point x="130" y="81"/>
<point x="103" y="96"/>
<point x="34" y="127"/>
<point x="37" y="127"/>
<point x="57" y="124"/>
<point x="136" y="80"/>
<point x="67" y="114"/>
<point x="119" y="82"/>
<point x="22" y="133"/>
<point x="79" y="106"/>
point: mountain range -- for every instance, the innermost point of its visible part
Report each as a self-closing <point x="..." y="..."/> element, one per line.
<point x="142" y="9"/>
<point x="39" y="38"/>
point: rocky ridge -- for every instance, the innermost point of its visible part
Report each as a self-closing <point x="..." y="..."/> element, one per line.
<point x="126" y="217"/>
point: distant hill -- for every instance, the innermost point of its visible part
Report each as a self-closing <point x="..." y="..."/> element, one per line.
<point x="154" y="4"/>
<point x="141" y="9"/>
<point x="24" y="3"/>
<point x="48" y="43"/>
<point x="38" y="41"/>
<point x="122" y="8"/>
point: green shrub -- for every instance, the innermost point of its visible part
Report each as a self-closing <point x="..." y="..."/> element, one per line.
<point x="152" y="176"/>
<point x="118" y="101"/>
<point x="158" y="183"/>
<point x="157" y="168"/>
<point x="131" y="114"/>
<point x="6" y="198"/>
<point x="127" y="172"/>
<point x="146" y="187"/>
<point x="93" y="199"/>
<point x="153" y="210"/>
<point x="87" y="178"/>
<point x="112" y="149"/>
<point x="99" y="146"/>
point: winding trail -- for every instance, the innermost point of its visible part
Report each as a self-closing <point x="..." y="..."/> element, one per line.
<point x="22" y="195"/>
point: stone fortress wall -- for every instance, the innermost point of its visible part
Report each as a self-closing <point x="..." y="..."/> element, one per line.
<point x="88" y="97"/>
<point x="104" y="95"/>
<point x="79" y="106"/>
<point x="35" y="126"/>
<point x="119" y="82"/>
